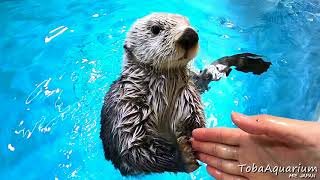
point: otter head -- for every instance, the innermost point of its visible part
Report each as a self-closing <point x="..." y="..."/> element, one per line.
<point x="162" y="41"/>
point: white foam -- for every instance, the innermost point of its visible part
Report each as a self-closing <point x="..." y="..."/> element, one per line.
<point x="95" y="15"/>
<point x="10" y="147"/>
<point x="63" y="29"/>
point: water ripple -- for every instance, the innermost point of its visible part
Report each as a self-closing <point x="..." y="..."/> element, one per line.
<point x="62" y="29"/>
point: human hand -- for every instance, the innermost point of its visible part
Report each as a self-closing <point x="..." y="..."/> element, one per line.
<point x="263" y="140"/>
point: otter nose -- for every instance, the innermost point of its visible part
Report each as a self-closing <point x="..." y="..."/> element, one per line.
<point x="188" y="39"/>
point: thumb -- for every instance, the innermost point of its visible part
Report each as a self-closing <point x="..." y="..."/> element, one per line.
<point x="283" y="129"/>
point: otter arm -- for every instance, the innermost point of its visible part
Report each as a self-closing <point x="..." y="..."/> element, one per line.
<point x="188" y="116"/>
<point x="245" y="62"/>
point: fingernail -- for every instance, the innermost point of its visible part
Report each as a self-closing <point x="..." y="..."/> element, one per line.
<point x="239" y="117"/>
<point x="195" y="131"/>
<point x="218" y="172"/>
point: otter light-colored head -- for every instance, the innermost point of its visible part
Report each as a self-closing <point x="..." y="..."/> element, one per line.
<point x="162" y="40"/>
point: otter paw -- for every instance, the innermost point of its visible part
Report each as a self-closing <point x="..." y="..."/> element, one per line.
<point x="187" y="154"/>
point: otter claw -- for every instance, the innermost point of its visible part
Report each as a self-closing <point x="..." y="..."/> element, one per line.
<point x="188" y="155"/>
<point x="202" y="80"/>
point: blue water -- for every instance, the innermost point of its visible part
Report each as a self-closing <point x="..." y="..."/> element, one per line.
<point x="59" y="57"/>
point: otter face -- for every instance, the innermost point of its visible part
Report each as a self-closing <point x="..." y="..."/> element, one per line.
<point x="162" y="40"/>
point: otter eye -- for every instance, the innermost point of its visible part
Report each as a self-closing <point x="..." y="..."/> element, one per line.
<point x="155" y="29"/>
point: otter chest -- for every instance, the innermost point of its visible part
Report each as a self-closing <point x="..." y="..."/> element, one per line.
<point x="169" y="100"/>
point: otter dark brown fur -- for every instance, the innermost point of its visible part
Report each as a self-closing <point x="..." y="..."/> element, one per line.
<point x="148" y="118"/>
<point x="150" y="111"/>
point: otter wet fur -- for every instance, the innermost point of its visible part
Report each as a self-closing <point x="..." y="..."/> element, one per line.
<point x="149" y="113"/>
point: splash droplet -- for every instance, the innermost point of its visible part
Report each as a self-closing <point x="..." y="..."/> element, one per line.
<point x="10" y="147"/>
<point x="95" y="15"/>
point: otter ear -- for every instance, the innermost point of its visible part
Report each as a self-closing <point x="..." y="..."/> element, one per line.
<point x="127" y="47"/>
<point x="128" y="50"/>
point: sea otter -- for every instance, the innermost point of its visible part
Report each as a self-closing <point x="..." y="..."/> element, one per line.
<point x="150" y="111"/>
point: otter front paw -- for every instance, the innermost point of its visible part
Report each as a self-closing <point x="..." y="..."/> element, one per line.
<point x="211" y="73"/>
<point x="190" y="162"/>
